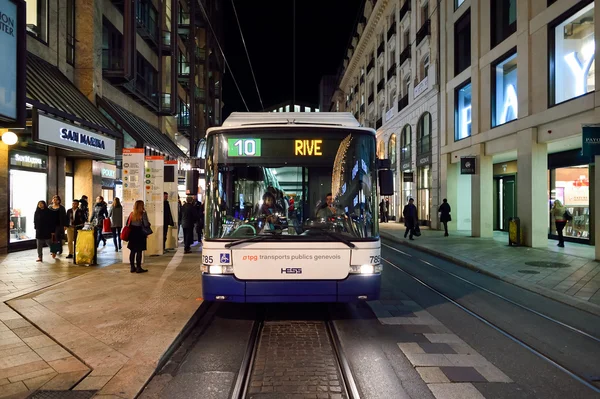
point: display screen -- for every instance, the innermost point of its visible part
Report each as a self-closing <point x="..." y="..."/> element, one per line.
<point x="245" y="147"/>
<point x="283" y="147"/>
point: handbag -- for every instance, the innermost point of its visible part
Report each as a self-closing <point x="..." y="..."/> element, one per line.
<point x="449" y="217"/>
<point x="567" y="215"/>
<point x="417" y="231"/>
<point x="106" y="225"/>
<point x="126" y="230"/>
<point x="146" y="229"/>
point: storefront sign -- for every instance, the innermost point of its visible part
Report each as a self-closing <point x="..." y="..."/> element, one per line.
<point x="467" y="165"/>
<point x="590" y="141"/>
<point x="423" y="159"/>
<point x="108" y="171"/>
<point x="28" y="160"/>
<point x="421" y="87"/>
<point x="408" y="177"/>
<point x="12" y="36"/>
<point x="62" y="134"/>
<point x="405" y="165"/>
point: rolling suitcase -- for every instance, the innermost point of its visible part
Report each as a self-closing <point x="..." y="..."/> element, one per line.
<point x="85" y="247"/>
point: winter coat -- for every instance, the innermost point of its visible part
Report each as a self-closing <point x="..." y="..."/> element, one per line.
<point x="78" y="218"/>
<point x="189" y="215"/>
<point x="116" y="216"/>
<point x="410" y="215"/>
<point x="60" y="221"/>
<point x="167" y="215"/>
<point x="444" y="211"/>
<point x="44" y="224"/>
<point x="100" y="213"/>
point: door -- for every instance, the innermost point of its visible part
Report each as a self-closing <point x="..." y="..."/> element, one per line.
<point x="507" y="201"/>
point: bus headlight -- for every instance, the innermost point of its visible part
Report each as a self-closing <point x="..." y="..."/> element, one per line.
<point x="217" y="269"/>
<point x="366" y="269"/>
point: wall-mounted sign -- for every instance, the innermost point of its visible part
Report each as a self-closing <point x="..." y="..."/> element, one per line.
<point x="421" y="87"/>
<point x="424" y="159"/>
<point x="408" y="177"/>
<point x="389" y="114"/>
<point x="405" y="165"/>
<point x="12" y="78"/>
<point x="590" y="141"/>
<point x="28" y="160"/>
<point x="467" y="165"/>
<point x="62" y="134"/>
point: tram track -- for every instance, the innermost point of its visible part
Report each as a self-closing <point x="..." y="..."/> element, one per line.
<point x="588" y="380"/>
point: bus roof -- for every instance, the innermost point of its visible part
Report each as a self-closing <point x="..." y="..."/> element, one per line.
<point x="241" y="119"/>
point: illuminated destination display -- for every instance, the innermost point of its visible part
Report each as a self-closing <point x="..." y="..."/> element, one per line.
<point x="308" y="147"/>
<point x="244" y="147"/>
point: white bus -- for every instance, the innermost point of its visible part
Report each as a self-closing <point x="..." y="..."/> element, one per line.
<point x="291" y="210"/>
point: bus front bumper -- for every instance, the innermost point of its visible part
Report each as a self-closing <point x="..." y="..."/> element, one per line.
<point x="227" y="288"/>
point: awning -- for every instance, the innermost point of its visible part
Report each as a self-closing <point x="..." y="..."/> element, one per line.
<point x="139" y="128"/>
<point x="50" y="91"/>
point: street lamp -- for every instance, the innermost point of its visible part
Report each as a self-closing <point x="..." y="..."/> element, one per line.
<point x="9" y="138"/>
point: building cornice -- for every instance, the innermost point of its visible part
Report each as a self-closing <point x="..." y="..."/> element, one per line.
<point x="363" y="41"/>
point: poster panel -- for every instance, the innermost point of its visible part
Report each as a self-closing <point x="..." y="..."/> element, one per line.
<point x="133" y="188"/>
<point x="153" y="186"/>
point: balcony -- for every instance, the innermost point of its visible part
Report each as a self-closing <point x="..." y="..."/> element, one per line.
<point x="166" y="41"/>
<point x="378" y="123"/>
<point x="371" y="98"/>
<point x="403" y="103"/>
<point x="424" y="31"/>
<point x="183" y="27"/>
<point x="392" y="31"/>
<point x="404" y="9"/>
<point x="112" y="59"/>
<point x="380" y="49"/>
<point x="370" y="65"/>
<point x="147" y="29"/>
<point x="405" y="55"/>
<point x="380" y="85"/>
<point x="392" y="71"/>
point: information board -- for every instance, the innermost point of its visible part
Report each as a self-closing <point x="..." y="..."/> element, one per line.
<point x="153" y="187"/>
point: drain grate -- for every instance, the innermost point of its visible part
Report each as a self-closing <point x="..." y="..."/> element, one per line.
<point x="62" y="395"/>
<point x="528" y="272"/>
<point x="553" y="265"/>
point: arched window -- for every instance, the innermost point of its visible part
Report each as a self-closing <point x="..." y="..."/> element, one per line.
<point x="201" y="151"/>
<point x="392" y="151"/>
<point x="380" y="149"/>
<point x="405" y="150"/>
<point x="424" y="134"/>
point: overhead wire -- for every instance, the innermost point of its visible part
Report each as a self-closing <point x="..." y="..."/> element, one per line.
<point x="223" y="54"/>
<point x="247" y="55"/>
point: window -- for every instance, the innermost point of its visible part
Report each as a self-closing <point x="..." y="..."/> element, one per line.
<point x="405" y="151"/>
<point x="296" y="108"/>
<point x="147" y="79"/>
<point x="112" y="47"/>
<point x="392" y="97"/>
<point x="392" y="61"/>
<point x="503" y="20"/>
<point x="424" y="13"/>
<point x="392" y="151"/>
<point x="71" y="32"/>
<point x="406" y="85"/>
<point x="406" y="38"/>
<point x="287" y="108"/>
<point x="571" y="186"/>
<point x="504" y="88"/>
<point x="147" y="17"/>
<point x="572" y="53"/>
<point x="458" y="3"/>
<point x="424" y="134"/>
<point x="424" y="184"/>
<point x="380" y="149"/>
<point x="463" y="112"/>
<point x="462" y="43"/>
<point x="425" y="67"/>
<point x="37" y="19"/>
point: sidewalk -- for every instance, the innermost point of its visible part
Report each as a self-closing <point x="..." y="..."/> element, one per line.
<point x="100" y="329"/>
<point x="569" y="275"/>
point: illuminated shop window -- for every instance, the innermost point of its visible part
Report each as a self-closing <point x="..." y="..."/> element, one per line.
<point x="572" y="66"/>
<point x="463" y="112"/>
<point x="504" y="99"/>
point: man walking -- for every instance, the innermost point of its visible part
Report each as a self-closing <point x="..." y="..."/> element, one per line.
<point x="189" y="216"/>
<point x="75" y="220"/>
<point x="410" y="218"/>
<point x="445" y="217"/>
<point x="167" y="219"/>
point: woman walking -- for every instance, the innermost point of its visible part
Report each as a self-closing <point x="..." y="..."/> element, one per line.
<point x="59" y="214"/>
<point x="445" y="217"/>
<point x="43" y="223"/>
<point x="558" y="212"/>
<point x="116" y="221"/>
<point x="138" y="222"/>
<point x="98" y="216"/>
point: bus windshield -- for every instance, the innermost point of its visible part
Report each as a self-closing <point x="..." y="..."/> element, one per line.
<point x="291" y="182"/>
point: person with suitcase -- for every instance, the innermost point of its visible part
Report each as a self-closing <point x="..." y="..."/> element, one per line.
<point x="75" y="219"/>
<point x="43" y="222"/>
<point x="59" y="213"/>
<point x="100" y="213"/>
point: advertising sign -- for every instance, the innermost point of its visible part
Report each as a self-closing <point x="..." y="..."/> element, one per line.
<point x="12" y="78"/>
<point x="154" y="173"/>
<point x="133" y="187"/>
<point x="170" y="187"/>
<point x="590" y="141"/>
<point x="408" y="177"/>
<point x="467" y="166"/>
<point x="62" y="134"/>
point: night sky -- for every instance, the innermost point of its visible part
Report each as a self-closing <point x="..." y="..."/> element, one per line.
<point x="323" y="31"/>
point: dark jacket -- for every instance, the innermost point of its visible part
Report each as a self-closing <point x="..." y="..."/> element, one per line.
<point x="44" y="223"/>
<point x="444" y="211"/>
<point x="410" y="215"/>
<point x="167" y="215"/>
<point x="85" y="209"/>
<point x="60" y="216"/>
<point x="189" y="215"/>
<point x="100" y="213"/>
<point x="77" y="217"/>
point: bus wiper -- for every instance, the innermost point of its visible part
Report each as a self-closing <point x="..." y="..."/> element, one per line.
<point x="334" y="236"/>
<point x="251" y="239"/>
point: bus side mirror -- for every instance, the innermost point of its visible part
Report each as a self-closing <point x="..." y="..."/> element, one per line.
<point x="386" y="182"/>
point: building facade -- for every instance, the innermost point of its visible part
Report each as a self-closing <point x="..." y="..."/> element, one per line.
<point x="519" y="83"/>
<point x="390" y="82"/>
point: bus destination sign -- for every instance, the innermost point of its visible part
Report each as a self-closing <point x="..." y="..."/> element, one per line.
<point x="244" y="147"/>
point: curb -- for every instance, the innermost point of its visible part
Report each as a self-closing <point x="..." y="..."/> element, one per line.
<point x="546" y="292"/>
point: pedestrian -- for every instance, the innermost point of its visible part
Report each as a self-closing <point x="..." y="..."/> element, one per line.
<point x="43" y="222"/>
<point x="75" y="219"/>
<point x="99" y="214"/>
<point x="167" y="219"/>
<point x="179" y="205"/>
<point x="84" y="206"/>
<point x="189" y="216"/>
<point x="560" y="220"/>
<point x="200" y="225"/>
<point x="116" y="222"/>
<point x="138" y="222"/>
<point x="445" y="217"/>
<point x="410" y="218"/>
<point x="59" y="214"/>
<point x="382" y="211"/>
<point x="387" y="210"/>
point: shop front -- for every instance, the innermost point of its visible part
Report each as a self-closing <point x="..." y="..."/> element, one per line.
<point x="505" y="194"/>
<point x="108" y="173"/>
<point x="408" y="186"/>
<point x="424" y="186"/>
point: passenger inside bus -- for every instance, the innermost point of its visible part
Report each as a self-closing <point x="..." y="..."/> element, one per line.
<point x="326" y="209"/>
<point x="268" y="213"/>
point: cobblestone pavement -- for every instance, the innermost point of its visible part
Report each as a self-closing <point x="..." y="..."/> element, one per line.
<point x="295" y="359"/>
<point x="569" y="275"/>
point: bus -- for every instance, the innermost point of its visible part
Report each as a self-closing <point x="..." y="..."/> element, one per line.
<point x="291" y="209"/>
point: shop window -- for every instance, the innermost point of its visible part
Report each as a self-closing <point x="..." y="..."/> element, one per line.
<point x="572" y="54"/>
<point x="424" y="134"/>
<point x="424" y="182"/>
<point x="504" y="88"/>
<point x="392" y="151"/>
<point x="71" y="32"/>
<point x="26" y="189"/>
<point x="405" y="151"/>
<point x="571" y="185"/>
<point x="462" y="43"/>
<point x="503" y="20"/>
<point x="380" y="149"/>
<point x="462" y="118"/>
<point x="37" y="19"/>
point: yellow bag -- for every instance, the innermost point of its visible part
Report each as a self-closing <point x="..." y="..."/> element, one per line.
<point x="85" y="247"/>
